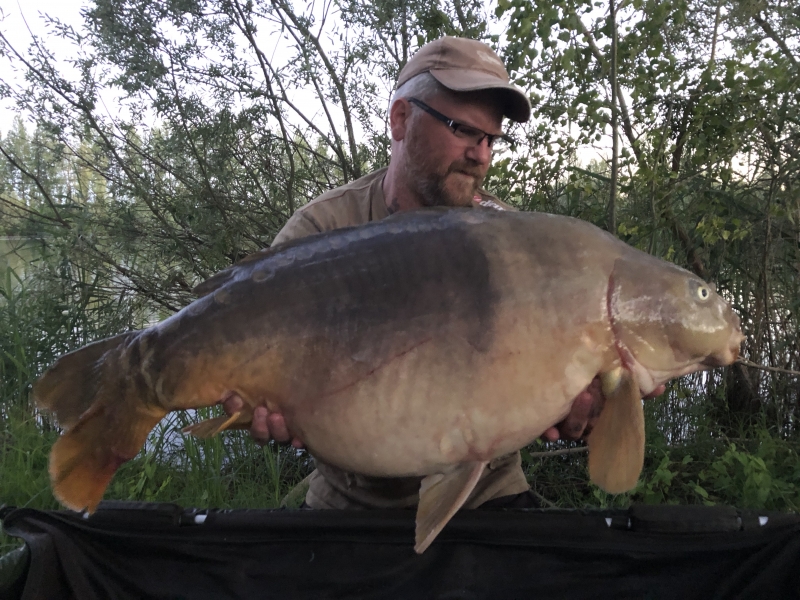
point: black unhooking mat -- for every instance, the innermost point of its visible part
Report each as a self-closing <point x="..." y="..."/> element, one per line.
<point x="132" y="550"/>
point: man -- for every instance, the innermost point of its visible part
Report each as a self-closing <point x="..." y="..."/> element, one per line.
<point x="445" y="120"/>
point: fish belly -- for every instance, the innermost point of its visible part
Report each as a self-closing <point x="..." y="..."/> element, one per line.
<point x="442" y="401"/>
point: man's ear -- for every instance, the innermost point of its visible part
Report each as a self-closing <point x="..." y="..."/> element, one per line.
<point x="399" y="116"/>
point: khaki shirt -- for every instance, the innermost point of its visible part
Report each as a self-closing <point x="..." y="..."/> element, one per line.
<point x="356" y="203"/>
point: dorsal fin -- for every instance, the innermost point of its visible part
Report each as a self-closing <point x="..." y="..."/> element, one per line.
<point x="213" y="283"/>
<point x="216" y="281"/>
<point x="221" y="278"/>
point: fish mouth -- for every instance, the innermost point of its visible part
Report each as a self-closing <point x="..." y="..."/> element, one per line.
<point x="650" y="376"/>
<point x="728" y="355"/>
<point x="649" y="379"/>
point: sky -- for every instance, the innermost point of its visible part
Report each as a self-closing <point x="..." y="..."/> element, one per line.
<point x="18" y="24"/>
<point x="18" y="21"/>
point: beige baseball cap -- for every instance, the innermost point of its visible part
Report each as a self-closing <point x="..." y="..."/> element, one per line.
<point x="465" y="65"/>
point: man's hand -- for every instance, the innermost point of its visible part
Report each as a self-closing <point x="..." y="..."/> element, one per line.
<point x="584" y="412"/>
<point x="266" y="426"/>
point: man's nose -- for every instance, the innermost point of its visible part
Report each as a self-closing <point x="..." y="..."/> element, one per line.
<point x="480" y="152"/>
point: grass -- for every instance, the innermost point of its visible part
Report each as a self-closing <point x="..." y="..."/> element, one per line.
<point x="228" y="471"/>
<point x="755" y="469"/>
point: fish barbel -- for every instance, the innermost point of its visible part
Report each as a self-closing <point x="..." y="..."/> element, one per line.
<point x="425" y="344"/>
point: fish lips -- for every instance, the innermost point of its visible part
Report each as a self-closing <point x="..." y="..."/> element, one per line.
<point x="728" y="355"/>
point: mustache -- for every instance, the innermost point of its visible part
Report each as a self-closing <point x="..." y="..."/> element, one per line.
<point x="471" y="170"/>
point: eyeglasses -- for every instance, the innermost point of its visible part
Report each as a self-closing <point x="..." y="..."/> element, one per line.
<point x="471" y="134"/>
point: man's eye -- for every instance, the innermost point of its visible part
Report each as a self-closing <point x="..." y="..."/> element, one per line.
<point x="468" y="132"/>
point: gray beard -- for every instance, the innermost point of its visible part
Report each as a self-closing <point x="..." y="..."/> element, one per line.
<point x="426" y="183"/>
<point x="431" y="189"/>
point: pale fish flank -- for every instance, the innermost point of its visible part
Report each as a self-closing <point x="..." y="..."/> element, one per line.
<point x="426" y="344"/>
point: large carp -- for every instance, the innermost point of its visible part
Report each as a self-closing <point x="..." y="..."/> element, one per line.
<point x="428" y="344"/>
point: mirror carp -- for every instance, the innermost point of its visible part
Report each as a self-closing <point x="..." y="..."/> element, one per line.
<point x="425" y="344"/>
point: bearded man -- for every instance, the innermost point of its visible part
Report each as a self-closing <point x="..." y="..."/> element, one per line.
<point x="445" y="119"/>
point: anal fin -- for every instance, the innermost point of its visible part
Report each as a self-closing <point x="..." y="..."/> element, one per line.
<point x="211" y="427"/>
<point x="616" y="444"/>
<point x="440" y="497"/>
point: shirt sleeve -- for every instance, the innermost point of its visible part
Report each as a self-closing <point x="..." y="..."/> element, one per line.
<point x="298" y="226"/>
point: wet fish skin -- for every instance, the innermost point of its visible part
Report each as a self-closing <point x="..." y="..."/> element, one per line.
<point x="425" y="344"/>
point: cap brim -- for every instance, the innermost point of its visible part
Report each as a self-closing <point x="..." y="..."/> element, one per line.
<point x="518" y="107"/>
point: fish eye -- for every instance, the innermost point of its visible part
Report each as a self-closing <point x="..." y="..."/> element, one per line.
<point x="703" y="293"/>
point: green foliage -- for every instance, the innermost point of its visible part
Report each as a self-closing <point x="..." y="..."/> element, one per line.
<point x="693" y="456"/>
<point x="767" y="477"/>
<point x="709" y="165"/>
<point x="759" y="473"/>
<point x="23" y="461"/>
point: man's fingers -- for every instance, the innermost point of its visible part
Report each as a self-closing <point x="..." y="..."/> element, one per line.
<point x="280" y="432"/>
<point x="259" y="428"/>
<point x="551" y="435"/>
<point x="277" y="428"/>
<point x="573" y="426"/>
<point x="586" y="408"/>
<point x="657" y="392"/>
<point x="232" y="402"/>
<point x="265" y="426"/>
<point x="271" y="426"/>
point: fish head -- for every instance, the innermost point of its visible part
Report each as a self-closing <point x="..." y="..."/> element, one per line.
<point x="668" y="322"/>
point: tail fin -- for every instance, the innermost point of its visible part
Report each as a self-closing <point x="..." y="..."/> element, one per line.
<point x="68" y="388"/>
<point x="104" y="410"/>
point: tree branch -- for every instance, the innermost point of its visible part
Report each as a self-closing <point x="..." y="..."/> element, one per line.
<point x="337" y="82"/>
<point x="753" y="365"/>
<point x="775" y="38"/>
<point x="247" y="30"/>
<point x="38" y="184"/>
<point x="623" y="105"/>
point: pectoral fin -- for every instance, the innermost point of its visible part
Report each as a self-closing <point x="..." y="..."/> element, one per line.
<point x="616" y="444"/>
<point x="211" y="427"/>
<point x="440" y="496"/>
